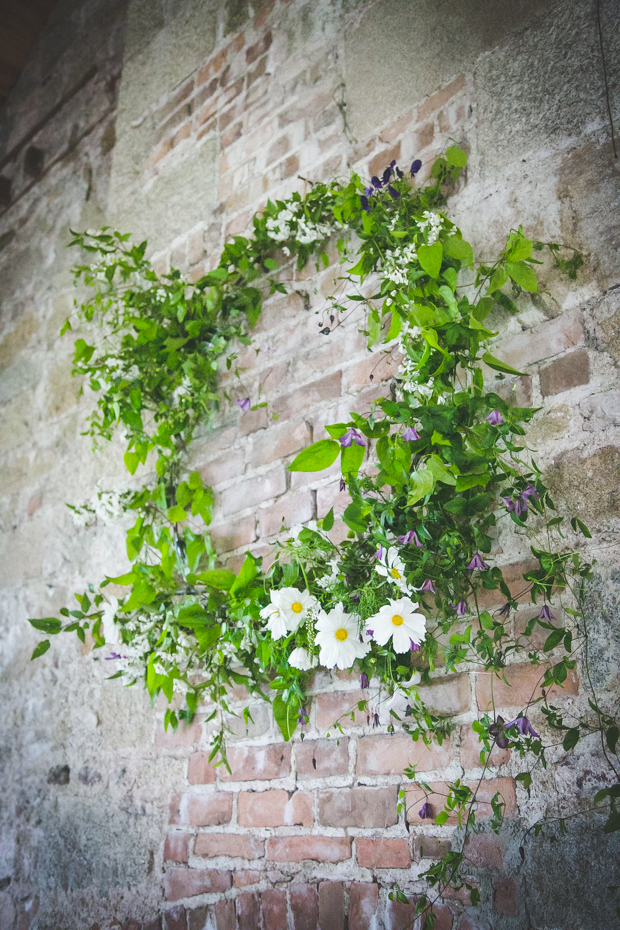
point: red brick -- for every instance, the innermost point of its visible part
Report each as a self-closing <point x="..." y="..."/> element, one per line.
<point x="470" y="750"/>
<point x="440" y="98"/>
<point x="358" y="807"/>
<point x="243" y="877"/>
<point x="200" y="770"/>
<point x="234" y="533"/>
<point x="176" y="847"/>
<point x="276" y="442"/>
<point x="179" y="738"/>
<point x="317" y="392"/>
<point x="330" y="495"/>
<point x="175" y="919"/>
<point x="381" y="161"/>
<point x="331" y="708"/>
<point x="460" y="894"/>
<point x="274" y="809"/>
<point x="322" y="757"/>
<point x="201" y="810"/>
<point x="391" y="755"/>
<point x="259" y="48"/>
<point x="183" y="133"/>
<point x="513" y="576"/>
<point x="224" y="915"/>
<point x="380" y="366"/>
<point x="565" y="373"/>
<point x="487" y="789"/>
<point x="248" y="911"/>
<point x="285" y="512"/>
<point x="331" y="906"/>
<point x="236" y="845"/>
<point x="299" y="848"/>
<point x="448" y="695"/>
<point x="505" y="897"/>
<point x="363" y="902"/>
<point x="257" y="72"/>
<point x="424" y="136"/>
<point x="175" y="101"/>
<point x="543" y="341"/>
<point x="273" y="906"/>
<point x="522" y="688"/>
<point x="417" y="796"/>
<point x="253" y="491"/>
<point x="229" y="465"/>
<point x="253" y="420"/>
<point x="485" y="850"/>
<point x="304" y="907"/>
<point x="380" y="853"/>
<point x="396" y="128"/>
<point x="185" y="883"/>
<point x="197" y="918"/>
<point x="430" y="847"/>
<point x="248" y="763"/>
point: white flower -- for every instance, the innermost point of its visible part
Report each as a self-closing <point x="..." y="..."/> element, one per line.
<point x="111" y="632"/>
<point x="393" y="568"/>
<point x="300" y="658"/>
<point x="274" y="615"/>
<point x="295" y="605"/>
<point x="338" y="638"/>
<point x="398" y="620"/>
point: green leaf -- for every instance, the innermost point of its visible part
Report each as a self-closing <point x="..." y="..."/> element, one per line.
<point x="456" y="156"/>
<point x="421" y="483"/>
<point x="613" y="824"/>
<point x="486" y="620"/>
<point x="328" y="520"/>
<point x="46" y="624"/>
<point x="176" y="514"/>
<point x="395" y="326"/>
<point x="571" y="738"/>
<point x="429" y="257"/>
<point x="497" y="365"/>
<point x="464" y="482"/>
<point x="498" y="279"/>
<point x="207" y="636"/>
<point x="221" y="578"/>
<point x="439" y="471"/>
<point x="131" y="461"/>
<point x="455" y="247"/>
<point x="352" y="458"/>
<point x="525" y="778"/>
<point x="522" y="275"/>
<point x="286" y="716"/>
<point x="374" y="328"/>
<point x="41" y="649"/>
<point x="316" y="457"/>
<point x="612" y="735"/>
<point x="247" y="573"/>
<point x="575" y="522"/>
<point x="554" y="639"/>
<point x="271" y="264"/>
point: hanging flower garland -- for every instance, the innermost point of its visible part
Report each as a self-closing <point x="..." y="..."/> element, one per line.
<point x="449" y="466"/>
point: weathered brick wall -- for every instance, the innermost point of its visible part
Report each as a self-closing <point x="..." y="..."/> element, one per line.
<point x="197" y="112"/>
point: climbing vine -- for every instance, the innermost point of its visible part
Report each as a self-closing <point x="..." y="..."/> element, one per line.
<point x="432" y="473"/>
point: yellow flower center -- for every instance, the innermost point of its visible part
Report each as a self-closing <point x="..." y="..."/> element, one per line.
<point x="341" y="634"/>
<point x="296" y="607"/>
<point x="395" y="573"/>
<point x="397" y="620"/>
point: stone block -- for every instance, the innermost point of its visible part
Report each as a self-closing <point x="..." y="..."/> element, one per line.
<point x="382" y="853"/>
<point x="505" y="896"/>
<point x="565" y="373"/>
<point x="524" y="686"/>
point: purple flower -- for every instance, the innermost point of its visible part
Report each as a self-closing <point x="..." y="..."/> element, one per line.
<point x="370" y="632"/>
<point x="387" y="174"/>
<point x="505" y="610"/>
<point x="399" y="173"/>
<point x="498" y="732"/>
<point x="524" y="727"/>
<point x="364" y="203"/>
<point x="369" y="191"/>
<point x="415" y="167"/>
<point x="376" y="183"/>
<point x="375" y="720"/>
<point x="515" y="505"/>
<point x="244" y="404"/>
<point x="364" y="682"/>
<point x="303" y="716"/>
<point x="343" y="484"/>
<point x="414" y="647"/>
<point x="462" y="609"/>
<point x="545" y="614"/>
<point x="410" y="537"/>
<point x="426" y="811"/>
<point x="114" y="655"/>
<point x="380" y="553"/>
<point x="410" y="434"/>
<point x="530" y="491"/>
<point x="495" y="418"/>
<point x="477" y="563"/>
<point x="428" y="586"/>
<point x="351" y="436"/>
<point x="393" y="192"/>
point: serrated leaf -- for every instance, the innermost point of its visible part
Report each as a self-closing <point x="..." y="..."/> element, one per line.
<point x="316" y="457"/>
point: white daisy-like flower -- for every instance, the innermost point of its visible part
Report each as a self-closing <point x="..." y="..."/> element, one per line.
<point x="393" y="568"/>
<point x="111" y="632"/>
<point x="295" y="606"/>
<point x="300" y="658"/>
<point x="274" y="615"/>
<point x="338" y="637"/>
<point x="398" y="620"/>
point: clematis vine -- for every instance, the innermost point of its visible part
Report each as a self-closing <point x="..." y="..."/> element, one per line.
<point x="351" y="436"/>
<point x="477" y="564"/>
<point x="244" y="405"/>
<point x="410" y="434"/>
<point x="495" y="418"/>
<point x="410" y="537"/>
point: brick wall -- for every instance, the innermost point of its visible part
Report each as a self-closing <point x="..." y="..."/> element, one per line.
<point x="198" y="113"/>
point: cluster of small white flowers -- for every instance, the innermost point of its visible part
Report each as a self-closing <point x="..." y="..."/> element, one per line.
<point x="108" y="505"/>
<point x="288" y="224"/>
<point x="397" y="261"/>
<point x="160" y="294"/>
<point x="328" y="581"/>
<point x="434" y="221"/>
<point x="279" y="227"/>
<point x="308" y="232"/>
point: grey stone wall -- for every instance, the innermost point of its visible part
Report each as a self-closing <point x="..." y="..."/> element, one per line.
<point x="175" y="120"/>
